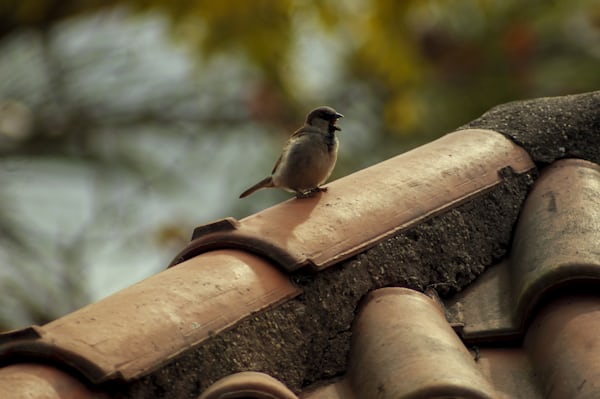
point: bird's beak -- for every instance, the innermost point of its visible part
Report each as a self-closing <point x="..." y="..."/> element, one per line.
<point x="337" y="116"/>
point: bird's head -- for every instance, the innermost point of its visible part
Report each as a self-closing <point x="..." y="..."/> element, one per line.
<point x="324" y="117"/>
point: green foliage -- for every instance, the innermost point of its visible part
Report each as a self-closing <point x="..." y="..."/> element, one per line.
<point x="434" y="64"/>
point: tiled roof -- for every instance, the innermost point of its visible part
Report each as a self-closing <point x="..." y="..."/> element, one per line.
<point x="321" y="298"/>
<point x="371" y="205"/>
<point x="555" y="245"/>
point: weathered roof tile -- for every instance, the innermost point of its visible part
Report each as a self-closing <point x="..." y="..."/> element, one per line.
<point x="30" y="380"/>
<point x="555" y="243"/>
<point x="564" y="347"/>
<point x="403" y="347"/>
<point x="172" y="311"/>
<point x="366" y="207"/>
<point x="435" y="217"/>
<point x="558" y="234"/>
<point x="248" y="384"/>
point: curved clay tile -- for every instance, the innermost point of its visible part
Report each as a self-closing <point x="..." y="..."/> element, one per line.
<point x="183" y="307"/>
<point x="28" y="380"/>
<point x="557" y="238"/>
<point x="564" y="346"/>
<point x="555" y="245"/>
<point x="155" y="338"/>
<point x="370" y="205"/>
<point x="138" y="329"/>
<point x="403" y="347"/>
<point x="248" y="385"/>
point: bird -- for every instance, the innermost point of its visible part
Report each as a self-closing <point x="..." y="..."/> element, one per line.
<point x="308" y="157"/>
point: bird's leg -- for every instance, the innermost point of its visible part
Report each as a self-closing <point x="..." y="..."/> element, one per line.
<point x="304" y="194"/>
<point x="310" y="193"/>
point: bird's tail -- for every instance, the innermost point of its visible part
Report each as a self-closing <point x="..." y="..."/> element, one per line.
<point x="264" y="183"/>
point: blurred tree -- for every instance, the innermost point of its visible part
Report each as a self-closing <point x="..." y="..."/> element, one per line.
<point x="414" y="53"/>
<point x="111" y="136"/>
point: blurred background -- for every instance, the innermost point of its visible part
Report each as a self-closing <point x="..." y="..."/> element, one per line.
<point x="124" y="124"/>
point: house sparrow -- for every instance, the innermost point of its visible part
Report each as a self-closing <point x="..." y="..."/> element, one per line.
<point x="307" y="158"/>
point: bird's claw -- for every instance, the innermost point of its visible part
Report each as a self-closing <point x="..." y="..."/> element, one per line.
<point x="310" y="193"/>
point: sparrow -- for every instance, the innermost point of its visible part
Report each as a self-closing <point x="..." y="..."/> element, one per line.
<point x="308" y="157"/>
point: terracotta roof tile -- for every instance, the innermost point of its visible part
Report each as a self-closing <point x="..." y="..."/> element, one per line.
<point x="248" y="384"/>
<point x="317" y="324"/>
<point x="555" y="243"/>
<point x="558" y="234"/>
<point x="510" y="372"/>
<point x="40" y="381"/>
<point x="403" y="348"/>
<point x="563" y="345"/>
<point x="400" y="332"/>
<point x="172" y="311"/>
<point x="366" y="207"/>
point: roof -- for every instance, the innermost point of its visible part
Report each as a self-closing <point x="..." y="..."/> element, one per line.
<point x="338" y="296"/>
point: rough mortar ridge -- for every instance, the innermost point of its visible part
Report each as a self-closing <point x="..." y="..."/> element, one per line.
<point x="549" y="128"/>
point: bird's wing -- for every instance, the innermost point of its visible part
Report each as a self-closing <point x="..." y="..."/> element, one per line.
<point x="300" y="132"/>
<point x="277" y="164"/>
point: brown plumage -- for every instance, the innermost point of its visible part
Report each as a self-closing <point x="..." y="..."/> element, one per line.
<point x="308" y="157"/>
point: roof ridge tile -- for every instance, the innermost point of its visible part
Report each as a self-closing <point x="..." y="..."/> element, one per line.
<point x="207" y="294"/>
<point x="364" y="208"/>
